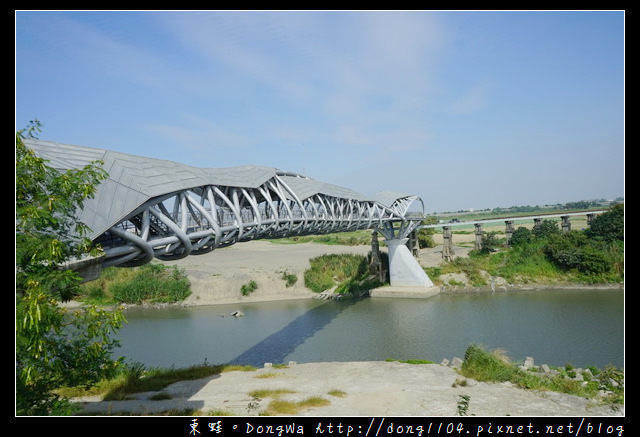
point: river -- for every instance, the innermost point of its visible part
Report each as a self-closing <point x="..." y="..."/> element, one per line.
<point x="556" y="327"/>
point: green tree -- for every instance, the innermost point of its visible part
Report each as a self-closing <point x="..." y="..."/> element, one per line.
<point x="610" y="225"/>
<point x="521" y="236"/>
<point x="54" y="347"/>
<point x="546" y="229"/>
<point x="490" y="242"/>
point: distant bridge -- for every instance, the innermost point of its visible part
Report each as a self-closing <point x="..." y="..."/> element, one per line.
<point x="448" y="252"/>
<point x="150" y="208"/>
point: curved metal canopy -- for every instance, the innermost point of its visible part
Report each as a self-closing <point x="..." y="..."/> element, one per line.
<point x="150" y="207"/>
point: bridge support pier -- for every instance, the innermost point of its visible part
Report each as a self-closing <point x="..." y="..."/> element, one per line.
<point x="406" y="276"/>
<point x="404" y="270"/>
<point x="508" y="231"/>
<point x="376" y="266"/>
<point x="479" y="233"/>
<point x="447" y="246"/>
<point x="413" y="244"/>
<point x="566" y="223"/>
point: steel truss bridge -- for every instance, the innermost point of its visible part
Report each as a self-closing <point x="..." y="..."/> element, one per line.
<point x="151" y="208"/>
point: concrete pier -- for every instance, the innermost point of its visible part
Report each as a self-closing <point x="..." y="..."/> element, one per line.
<point x="404" y="270"/>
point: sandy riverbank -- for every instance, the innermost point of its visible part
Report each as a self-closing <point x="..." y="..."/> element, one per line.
<point x="217" y="277"/>
<point x="371" y="388"/>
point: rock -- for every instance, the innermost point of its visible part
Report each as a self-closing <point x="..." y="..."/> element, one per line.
<point x="456" y="363"/>
<point x="528" y="363"/>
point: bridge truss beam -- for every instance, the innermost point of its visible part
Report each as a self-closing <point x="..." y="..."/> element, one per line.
<point x="201" y="219"/>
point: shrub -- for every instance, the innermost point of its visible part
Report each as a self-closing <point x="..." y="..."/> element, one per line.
<point x="348" y="272"/>
<point x="249" y="288"/>
<point x="153" y="283"/>
<point x="546" y="229"/>
<point x="290" y="279"/>
<point x="521" y="236"/>
<point x="485" y="366"/>
<point x="608" y="226"/>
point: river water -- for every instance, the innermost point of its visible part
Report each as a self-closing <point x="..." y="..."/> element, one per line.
<point x="556" y="327"/>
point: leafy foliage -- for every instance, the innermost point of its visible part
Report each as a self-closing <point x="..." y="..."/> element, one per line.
<point x="546" y="253"/>
<point x="53" y="347"/>
<point x="249" y="288"/>
<point x="610" y="226"/>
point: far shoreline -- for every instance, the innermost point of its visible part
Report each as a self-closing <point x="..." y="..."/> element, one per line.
<point x="446" y="290"/>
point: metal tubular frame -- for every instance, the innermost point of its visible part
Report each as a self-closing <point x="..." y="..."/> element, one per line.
<point x="201" y="219"/>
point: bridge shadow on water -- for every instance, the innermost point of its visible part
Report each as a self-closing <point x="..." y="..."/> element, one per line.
<point x="276" y="347"/>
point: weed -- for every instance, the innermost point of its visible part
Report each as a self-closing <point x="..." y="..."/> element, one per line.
<point x="254" y="405"/>
<point x="269" y="392"/>
<point x="290" y="279"/>
<point x="282" y="407"/>
<point x="267" y="375"/>
<point x="249" y="288"/>
<point x="463" y="405"/>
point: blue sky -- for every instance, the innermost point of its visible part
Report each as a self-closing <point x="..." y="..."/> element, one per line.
<point x="474" y="109"/>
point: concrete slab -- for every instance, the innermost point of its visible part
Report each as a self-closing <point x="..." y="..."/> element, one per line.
<point x="373" y="388"/>
<point x="408" y="292"/>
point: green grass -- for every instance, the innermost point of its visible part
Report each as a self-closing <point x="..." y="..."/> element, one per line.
<point x="153" y="283"/>
<point x="495" y="366"/>
<point x="289" y="408"/>
<point x="269" y="392"/>
<point x="349" y="273"/>
<point x="354" y="238"/>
